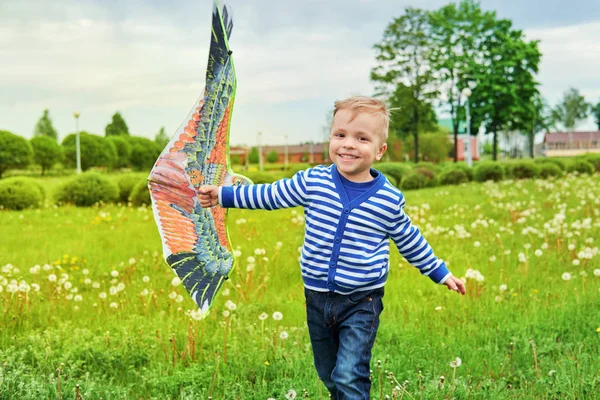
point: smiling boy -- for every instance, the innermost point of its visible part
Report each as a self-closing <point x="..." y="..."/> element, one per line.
<point x="351" y="212"/>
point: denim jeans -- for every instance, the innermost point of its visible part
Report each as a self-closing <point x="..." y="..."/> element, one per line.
<point x="342" y="331"/>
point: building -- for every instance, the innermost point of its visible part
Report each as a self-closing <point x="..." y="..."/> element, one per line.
<point x="446" y="123"/>
<point x="561" y="144"/>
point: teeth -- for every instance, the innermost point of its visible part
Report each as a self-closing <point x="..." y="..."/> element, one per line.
<point x="347" y="156"/>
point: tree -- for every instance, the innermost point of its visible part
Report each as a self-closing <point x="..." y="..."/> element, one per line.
<point x="144" y="153"/>
<point x="435" y="146"/>
<point x="401" y="121"/>
<point x="44" y="127"/>
<point x="46" y="152"/>
<point x="15" y="152"/>
<point x="457" y="34"/>
<point x="161" y="138"/>
<point x="505" y="80"/>
<point x="272" y="157"/>
<point x="96" y="151"/>
<point x="536" y="119"/>
<point x="253" y="157"/>
<point x="571" y="110"/>
<point x="403" y="56"/>
<point x="596" y="114"/>
<point x="117" y="127"/>
<point x="123" y="151"/>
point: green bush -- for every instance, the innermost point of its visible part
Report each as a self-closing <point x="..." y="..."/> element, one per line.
<point x="593" y="159"/>
<point x="580" y="166"/>
<point x="46" y="152"/>
<point x="552" y="160"/>
<point x="96" y="151"/>
<point x="549" y="169"/>
<point x="19" y="193"/>
<point x="428" y="171"/>
<point x="15" y="152"/>
<point x="392" y="180"/>
<point x="263" y="177"/>
<point x="144" y="153"/>
<point x="123" y="151"/>
<point x="126" y="183"/>
<point x="140" y="195"/>
<point x="468" y="171"/>
<point x="453" y="177"/>
<point x="488" y="171"/>
<point x="395" y="169"/>
<point x="413" y="181"/>
<point x="88" y="189"/>
<point x="525" y="170"/>
<point x="293" y="168"/>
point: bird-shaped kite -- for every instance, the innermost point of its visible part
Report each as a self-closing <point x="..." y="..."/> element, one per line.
<point x="195" y="239"/>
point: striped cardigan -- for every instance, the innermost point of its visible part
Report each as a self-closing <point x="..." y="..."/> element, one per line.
<point x="346" y="247"/>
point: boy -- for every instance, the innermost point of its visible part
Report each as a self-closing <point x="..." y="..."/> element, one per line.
<point x="351" y="211"/>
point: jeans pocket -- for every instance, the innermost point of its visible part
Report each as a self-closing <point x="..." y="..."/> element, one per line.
<point x="359" y="297"/>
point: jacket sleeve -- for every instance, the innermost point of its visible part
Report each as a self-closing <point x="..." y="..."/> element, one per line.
<point x="414" y="248"/>
<point x="284" y="193"/>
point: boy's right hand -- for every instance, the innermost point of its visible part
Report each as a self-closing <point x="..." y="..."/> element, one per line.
<point x="208" y="196"/>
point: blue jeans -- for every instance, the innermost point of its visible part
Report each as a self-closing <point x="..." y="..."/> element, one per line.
<point x="342" y="331"/>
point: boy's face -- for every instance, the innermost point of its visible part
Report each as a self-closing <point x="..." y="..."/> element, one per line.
<point x="355" y="144"/>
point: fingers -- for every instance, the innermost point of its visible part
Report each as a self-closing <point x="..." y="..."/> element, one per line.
<point x="208" y="196"/>
<point x="456" y="285"/>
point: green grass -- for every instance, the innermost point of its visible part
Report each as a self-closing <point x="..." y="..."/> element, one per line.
<point x="149" y="347"/>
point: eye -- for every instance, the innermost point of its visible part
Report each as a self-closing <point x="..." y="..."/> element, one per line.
<point x="363" y="139"/>
<point x="338" y="135"/>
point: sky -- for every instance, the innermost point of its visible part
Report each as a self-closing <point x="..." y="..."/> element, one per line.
<point x="293" y="59"/>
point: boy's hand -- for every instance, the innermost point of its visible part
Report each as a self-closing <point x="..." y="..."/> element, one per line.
<point x="208" y="196"/>
<point x="453" y="283"/>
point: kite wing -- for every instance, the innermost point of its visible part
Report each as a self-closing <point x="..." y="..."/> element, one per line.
<point x="195" y="239"/>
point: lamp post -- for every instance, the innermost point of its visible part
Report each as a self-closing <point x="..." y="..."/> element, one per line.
<point x="76" y="114"/>
<point x="260" y="160"/>
<point x="286" y="152"/>
<point x="467" y="93"/>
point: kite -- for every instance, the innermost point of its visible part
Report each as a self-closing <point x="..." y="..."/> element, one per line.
<point x="195" y="240"/>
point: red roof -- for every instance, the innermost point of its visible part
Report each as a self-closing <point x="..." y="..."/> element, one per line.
<point x="565" y="137"/>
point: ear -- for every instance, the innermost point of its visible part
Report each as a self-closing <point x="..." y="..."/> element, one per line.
<point x="381" y="151"/>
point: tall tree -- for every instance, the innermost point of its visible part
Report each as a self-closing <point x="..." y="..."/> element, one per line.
<point x="506" y="85"/>
<point x="571" y="110"/>
<point x="117" y="127"/>
<point x="536" y="119"/>
<point x="596" y="114"/>
<point x="403" y="60"/>
<point x="458" y="32"/>
<point x="161" y="138"/>
<point x="46" y="152"/>
<point x="44" y="127"/>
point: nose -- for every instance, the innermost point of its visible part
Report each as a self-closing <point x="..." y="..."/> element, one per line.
<point x="348" y="143"/>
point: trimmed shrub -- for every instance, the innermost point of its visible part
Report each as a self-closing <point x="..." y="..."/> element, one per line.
<point x="524" y="170"/>
<point x="19" y="193"/>
<point x="144" y="153"/>
<point x="468" y="171"/>
<point x="395" y="169"/>
<point x="593" y="159"/>
<point x="549" y="169"/>
<point x="46" y="152"/>
<point x="580" y="166"/>
<point x="96" y="151"/>
<point x="123" y="148"/>
<point x="414" y="181"/>
<point x="126" y="183"/>
<point x="140" y="195"/>
<point x="556" y="161"/>
<point x="429" y="172"/>
<point x="453" y="177"/>
<point x="488" y="171"/>
<point x="88" y="189"/>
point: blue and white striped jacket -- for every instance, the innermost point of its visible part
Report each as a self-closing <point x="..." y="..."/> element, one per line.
<point x="346" y="247"/>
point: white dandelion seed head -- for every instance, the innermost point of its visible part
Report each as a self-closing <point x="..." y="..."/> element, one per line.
<point x="113" y="305"/>
<point x="176" y="281"/>
<point x="263" y="316"/>
<point x="503" y="287"/>
<point x="114" y="273"/>
<point x="566" y="276"/>
<point x="283" y="335"/>
<point x="456" y="363"/>
<point x="231" y="306"/>
<point x="102" y="295"/>
<point x="145" y="279"/>
<point x="52" y="278"/>
<point x="277" y="316"/>
<point x="173" y="295"/>
<point x="576" y="261"/>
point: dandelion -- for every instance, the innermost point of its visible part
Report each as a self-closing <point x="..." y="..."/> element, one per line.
<point x="544" y="246"/>
<point x="96" y="285"/>
<point x="492" y="258"/>
<point x="527" y="245"/>
<point x="237" y="253"/>
<point x="583" y="273"/>
<point x="498" y="299"/>
<point x="175" y="281"/>
<point x="144" y="292"/>
<point x="576" y="261"/>
<point x="113" y="305"/>
<point x="35" y="269"/>
<point x="250" y="267"/>
<point x="552" y="372"/>
<point x="87" y="281"/>
<point x="283" y="335"/>
<point x="571" y="247"/>
<point x="476" y="244"/>
<point x="197" y="315"/>
<point x="145" y="279"/>
<point x="131" y="261"/>
<point x="68" y="285"/>
<point x="538" y="253"/>
<point x="522" y="258"/>
<point x="456" y="362"/>
<point x="597" y="272"/>
<point x="102" y="295"/>
<point x="113" y="290"/>
<point x="230" y="305"/>
<point x="35" y="287"/>
<point x="179" y="298"/>
<point x="173" y="295"/>
<point x="566" y="276"/>
<point x="251" y="260"/>
<point x="277" y="316"/>
<point x="114" y="273"/>
<point x="278" y="245"/>
<point x="503" y="288"/>
<point x="226" y="313"/>
<point x="78" y="298"/>
<point x="438" y="308"/>
<point x="263" y="316"/>
<point x="85" y="272"/>
<point x="52" y="278"/>
<point x="291" y="394"/>
<point x="24" y="287"/>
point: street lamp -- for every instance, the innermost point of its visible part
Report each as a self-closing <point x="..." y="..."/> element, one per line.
<point x="76" y="114"/>
<point x="260" y="160"/>
<point x="467" y="93"/>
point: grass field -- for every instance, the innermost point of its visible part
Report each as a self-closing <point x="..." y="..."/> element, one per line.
<point x="89" y="310"/>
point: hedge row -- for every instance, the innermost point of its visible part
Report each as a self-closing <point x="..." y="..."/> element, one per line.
<point x="92" y="188"/>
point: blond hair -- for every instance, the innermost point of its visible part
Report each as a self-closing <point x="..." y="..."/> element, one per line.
<point x="371" y="105"/>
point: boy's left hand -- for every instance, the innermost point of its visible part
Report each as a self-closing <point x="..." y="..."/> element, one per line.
<point x="453" y="283"/>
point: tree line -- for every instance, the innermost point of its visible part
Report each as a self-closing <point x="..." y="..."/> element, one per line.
<point x="426" y="59"/>
<point x="116" y="149"/>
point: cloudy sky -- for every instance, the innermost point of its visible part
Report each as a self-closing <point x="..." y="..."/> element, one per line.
<point x="293" y="59"/>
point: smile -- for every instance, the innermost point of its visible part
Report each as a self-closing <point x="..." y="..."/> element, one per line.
<point x="347" y="156"/>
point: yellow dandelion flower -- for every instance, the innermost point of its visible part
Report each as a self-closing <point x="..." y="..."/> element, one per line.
<point x="267" y="363"/>
<point x="598" y="329"/>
